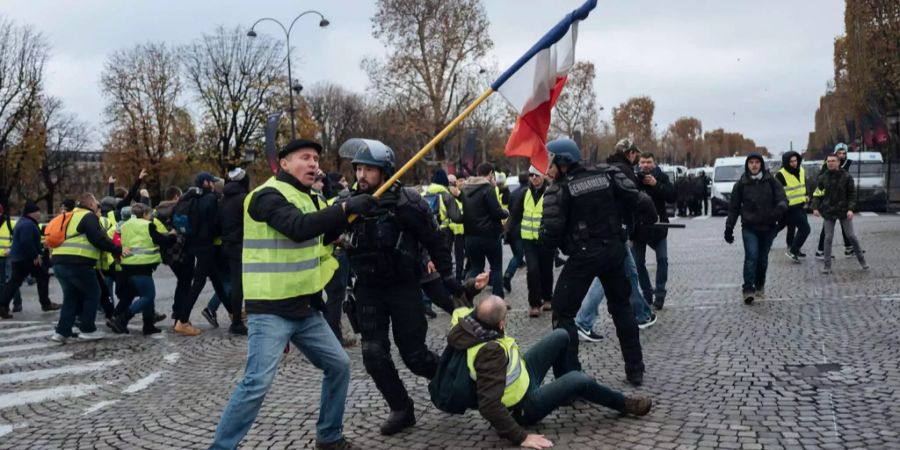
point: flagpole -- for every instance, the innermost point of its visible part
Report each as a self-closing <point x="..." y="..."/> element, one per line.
<point x="427" y="148"/>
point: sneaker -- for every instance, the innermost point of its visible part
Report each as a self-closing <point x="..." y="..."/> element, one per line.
<point x="340" y="444"/>
<point x="117" y="325"/>
<point x="588" y="335"/>
<point x="429" y="311"/>
<point x="820" y="255"/>
<point x="547" y="306"/>
<point x="210" y="317"/>
<point x="801" y="255"/>
<point x="186" y="329"/>
<point x="507" y="283"/>
<point x="150" y="329"/>
<point x="748" y="298"/>
<point x="534" y="312"/>
<point x="4" y="313"/>
<point x="17" y="308"/>
<point x="59" y="338"/>
<point x="648" y="323"/>
<point x="92" y="336"/>
<point x="638" y="405"/>
<point x="50" y="307"/>
<point x="238" y="328"/>
<point x="761" y="293"/>
<point x="849" y="252"/>
<point x="864" y="266"/>
<point x="794" y="258"/>
<point x="158" y="317"/>
<point x="658" y="304"/>
<point x="826" y="269"/>
<point x="635" y="378"/>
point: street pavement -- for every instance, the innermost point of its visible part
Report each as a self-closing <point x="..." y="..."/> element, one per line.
<point x="814" y="365"/>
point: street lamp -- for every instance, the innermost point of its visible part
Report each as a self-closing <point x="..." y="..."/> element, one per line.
<point x="323" y="22"/>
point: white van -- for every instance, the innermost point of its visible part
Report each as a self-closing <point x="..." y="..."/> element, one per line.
<point x="726" y="171"/>
<point x="868" y="172"/>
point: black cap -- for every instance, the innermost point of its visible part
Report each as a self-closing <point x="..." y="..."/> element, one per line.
<point x="30" y="207"/>
<point x="299" y="144"/>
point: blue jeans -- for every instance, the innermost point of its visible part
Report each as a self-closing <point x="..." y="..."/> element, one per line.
<point x="756" y="258"/>
<point x="79" y="285"/>
<point x="268" y="334"/>
<point x="662" y="267"/>
<point x="5" y="271"/>
<point x="540" y="401"/>
<point x="215" y="301"/>
<point x="146" y="291"/>
<point x="587" y="314"/>
<point x="518" y="254"/>
<point x="480" y="248"/>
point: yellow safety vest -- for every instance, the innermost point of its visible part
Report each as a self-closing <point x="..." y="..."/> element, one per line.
<point x="531" y="216"/>
<point x="276" y="267"/>
<point x="6" y="236"/>
<point x="458" y="228"/>
<point x="77" y="244"/>
<point x="795" y="188"/>
<point x="136" y="238"/>
<point x="106" y="259"/>
<point x="437" y="189"/>
<point x="517" y="378"/>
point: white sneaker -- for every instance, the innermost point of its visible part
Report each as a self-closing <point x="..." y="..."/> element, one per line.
<point x="59" y="338"/>
<point x="96" y="335"/>
<point x="649" y="323"/>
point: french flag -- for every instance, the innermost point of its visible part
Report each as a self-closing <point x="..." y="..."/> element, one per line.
<point x="533" y="84"/>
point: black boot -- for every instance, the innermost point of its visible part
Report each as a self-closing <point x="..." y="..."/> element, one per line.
<point x="150" y="328"/>
<point x="119" y="323"/>
<point x="4" y="313"/>
<point x="238" y="328"/>
<point x="399" y="420"/>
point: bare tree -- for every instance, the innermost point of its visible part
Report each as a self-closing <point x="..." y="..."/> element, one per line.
<point x="65" y="137"/>
<point x="340" y="115"/>
<point x="23" y="53"/>
<point x="433" y="47"/>
<point x="148" y="125"/>
<point x="234" y="77"/>
<point x="576" y="107"/>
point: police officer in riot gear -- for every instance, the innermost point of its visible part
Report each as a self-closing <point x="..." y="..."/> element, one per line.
<point x="583" y="212"/>
<point x="384" y="250"/>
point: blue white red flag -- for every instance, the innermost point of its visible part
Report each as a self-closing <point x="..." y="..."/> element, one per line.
<point x="533" y="84"/>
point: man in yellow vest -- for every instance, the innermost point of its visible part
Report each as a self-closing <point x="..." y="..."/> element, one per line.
<point x="793" y="177"/>
<point x="508" y="383"/>
<point x="6" y="233"/>
<point x="527" y="211"/>
<point x="73" y="265"/>
<point x="142" y="235"/>
<point x="286" y="264"/>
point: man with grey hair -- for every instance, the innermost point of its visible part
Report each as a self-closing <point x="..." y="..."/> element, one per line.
<point x="508" y="385"/>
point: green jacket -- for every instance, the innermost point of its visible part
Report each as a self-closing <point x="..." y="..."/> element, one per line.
<point x="835" y="194"/>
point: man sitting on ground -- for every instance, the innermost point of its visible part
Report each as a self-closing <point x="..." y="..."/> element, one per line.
<point x="508" y="385"/>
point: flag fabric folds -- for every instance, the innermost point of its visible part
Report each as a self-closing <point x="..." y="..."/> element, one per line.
<point x="533" y="84"/>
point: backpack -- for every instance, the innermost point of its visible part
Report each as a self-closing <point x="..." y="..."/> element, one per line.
<point x="452" y="389"/>
<point x="55" y="231"/>
<point x="434" y="205"/>
<point x="184" y="215"/>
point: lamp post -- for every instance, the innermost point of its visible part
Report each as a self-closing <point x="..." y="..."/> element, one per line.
<point x="323" y="22"/>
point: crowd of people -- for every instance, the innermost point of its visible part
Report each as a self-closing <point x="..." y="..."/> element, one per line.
<point x="289" y="258"/>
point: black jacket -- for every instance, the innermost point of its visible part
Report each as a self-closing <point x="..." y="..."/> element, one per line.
<point x="26" y="240"/>
<point x="206" y="211"/>
<point x="96" y="235"/>
<point x="231" y="213"/>
<point x="269" y="206"/>
<point x="482" y="213"/>
<point x="132" y="194"/>
<point x="661" y="193"/>
<point x="760" y="203"/>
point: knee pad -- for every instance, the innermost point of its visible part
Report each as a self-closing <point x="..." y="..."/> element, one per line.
<point x="421" y="362"/>
<point x="376" y="356"/>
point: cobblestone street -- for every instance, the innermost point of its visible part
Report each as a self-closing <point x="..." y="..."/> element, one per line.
<point x="813" y="365"/>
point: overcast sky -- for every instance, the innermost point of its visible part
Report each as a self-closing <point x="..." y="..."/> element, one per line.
<point x="757" y="67"/>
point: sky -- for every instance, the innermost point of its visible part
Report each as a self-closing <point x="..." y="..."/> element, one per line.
<point x="756" y="67"/>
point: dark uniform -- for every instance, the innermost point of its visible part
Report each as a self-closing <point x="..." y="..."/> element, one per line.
<point x="384" y="248"/>
<point x="595" y="244"/>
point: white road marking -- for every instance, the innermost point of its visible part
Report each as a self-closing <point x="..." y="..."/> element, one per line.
<point x="172" y="358"/>
<point x="43" y="374"/>
<point x="43" y="395"/>
<point x="22" y="337"/>
<point x="868" y="214"/>
<point x="142" y="384"/>
<point x="98" y="406"/>
<point x="8" y="428"/>
<point x="22" y="322"/>
<point x="31" y="328"/>
<point x="23" y="347"/>
<point x="34" y="359"/>
<point x="702" y="217"/>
